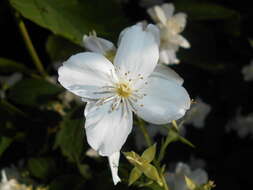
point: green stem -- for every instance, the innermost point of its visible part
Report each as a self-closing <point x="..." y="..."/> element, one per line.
<point x="166" y="187"/>
<point x="29" y="46"/>
<point x="169" y="139"/>
<point x="145" y="132"/>
<point x="149" y="142"/>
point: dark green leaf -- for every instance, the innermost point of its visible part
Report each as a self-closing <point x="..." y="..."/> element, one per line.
<point x="33" y="92"/>
<point x="7" y="66"/>
<point x="66" y="182"/>
<point x="5" y="142"/>
<point x="73" y="18"/>
<point x="70" y="138"/>
<point x="205" y="10"/>
<point x="84" y="169"/>
<point x="41" y="167"/>
<point x="10" y="109"/>
<point x="54" y="48"/>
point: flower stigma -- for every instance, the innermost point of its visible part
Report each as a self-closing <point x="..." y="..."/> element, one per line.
<point x="123" y="90"/>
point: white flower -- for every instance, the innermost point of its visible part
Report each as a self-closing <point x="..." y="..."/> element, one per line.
<point x="196" y="115"/>
<point x="242" y="124"/>
<point x="11" y="184"/>
<point x="247" y="72"/>
<point x="132" y="83"/>
<point x="176" y="180"/>
<point x="170" y="28"/>
<point x="99" y="45"/>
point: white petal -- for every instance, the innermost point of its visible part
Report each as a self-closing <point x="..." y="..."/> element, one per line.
<point x="107" y="131"/>
<point x="180" y="19"/>
<point x="168" y="9"/>
<point x="151" y="28"/>
<point x="85" y="73"/>
<point x="138" y="52"/>
<point x="167" y="73"/>
<point x="165" y="101"/>
<point x="159" y="15"/>
<point x="114" y="164"/>
<point x="4" y="176"/>
<point x="152" y="14"/>
<point x="199" y="176"/>
<point x="181" y="41"/>
<point x="168" y="56"/>
<point x="98" y="45"/>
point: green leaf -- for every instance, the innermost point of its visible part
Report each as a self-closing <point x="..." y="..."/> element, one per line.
<point x="7" y="66"/>
<point x="73" y="18"/>
<point x="149" y="153"/>
<point x="205" y="10"/>
<point x="174" y="136"/>
<point x="5" y="142"/>
<point x="41" y="167"/>
<point x="134" y="175"/>
<point x="70" y="138"/>
<point x="33" y="92"/>
<point x="55" y="51"/>
<point x="185" y="141"/>
<point x="251" y="42"/>
<point x="10" y="109"/>
<point x="149" y="170"/>
<point x="70" y="182"/>
<point x="84" y="169"/>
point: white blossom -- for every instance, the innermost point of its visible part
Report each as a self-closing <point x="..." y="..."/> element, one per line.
<point x="176" y="179"/>
<point x="171" y="25"/>
<point x="132" y="82"/>
<point x="247" y="72"/>
<point x="242" y="124"/>
<point x="11" y="184"/>
<point x="9" y="81"/>
<point x="197" y="114"/>
<point x="99" y="45"/>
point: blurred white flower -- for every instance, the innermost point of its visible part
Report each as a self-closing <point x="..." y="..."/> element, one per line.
<point x="176" y="180"/>
<point x="196" y="163"/>
<point x="242" y="124"/>
<point x="9" y="81"/>
<point x="196" y="115"/>
<point x="170" y="27"/>
<point x="153" y="130"/>
<point x="11" y="184"/>
<point x="132" y="84"/>
<point x="247" y="72"/>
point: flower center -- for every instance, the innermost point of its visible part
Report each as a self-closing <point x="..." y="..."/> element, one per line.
<point x="123" y="90"/>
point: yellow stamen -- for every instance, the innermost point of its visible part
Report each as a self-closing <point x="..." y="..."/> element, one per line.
<point x="123" y="90"/>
